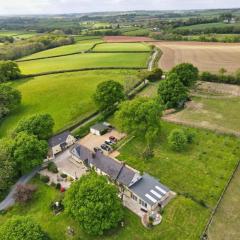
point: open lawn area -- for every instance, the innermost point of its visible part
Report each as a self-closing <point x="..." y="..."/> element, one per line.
<point x="67" y="97"/>
<point x="86" y="60"/>
<point x="78" y="47"/>
<point x="122" y="47"/>
<point x="225" y="224"/>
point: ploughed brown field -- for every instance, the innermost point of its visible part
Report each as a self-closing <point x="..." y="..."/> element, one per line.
<point x="206" y="56"/>
<point x="126" y="39"/>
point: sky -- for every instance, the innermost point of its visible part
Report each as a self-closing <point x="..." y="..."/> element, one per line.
<point x="10" y="7"/>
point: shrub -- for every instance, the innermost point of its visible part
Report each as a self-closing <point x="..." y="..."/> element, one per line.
<point x="44" y="178"/>
<point x="63" y="175"/>
<point x="58" y="186"/>
<point x="24" y="193"/>
<point x="52" y="167"/>
<point x="177" y="140"/>
<point x="155" y="75"/>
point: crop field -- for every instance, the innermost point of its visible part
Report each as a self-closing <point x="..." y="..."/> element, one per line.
<point x="198" y="174"/>
<point x="214" y="110"/>
<point x="68" y="49"/>
<point x="226" y="221"/>
<point x="67" y="97"/>
<point x="206" y="56"/>
<point x="126" y="39"/>
<point x="85" y="60"/>
<point x="138" y="32"/>
<point x="122" y="47"/>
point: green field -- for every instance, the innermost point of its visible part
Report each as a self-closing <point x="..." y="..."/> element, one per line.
<point x="68" y="49"/>
<point x="210" y="25"/>
<point x="225" y="224"/>
<point x="122" y="47"/>
<point x="138" y="32"/>
<point x="67" y="97"/>
<point x="87" y="60"/>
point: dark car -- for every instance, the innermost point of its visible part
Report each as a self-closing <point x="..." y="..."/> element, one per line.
<point x="113" y="139"/>
<point x="109" y="142"/>
<point x="97" y="149"/>
<point x="106" y="147"/>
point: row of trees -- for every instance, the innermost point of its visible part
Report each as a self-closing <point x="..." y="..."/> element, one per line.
<point x="32" y="45"/>
<point x="25" y="149"/>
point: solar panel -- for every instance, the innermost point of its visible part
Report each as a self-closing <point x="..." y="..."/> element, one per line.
<point x="156" y="194"/>
<point x="161" y="190"/>
<point x="151" y="198"/>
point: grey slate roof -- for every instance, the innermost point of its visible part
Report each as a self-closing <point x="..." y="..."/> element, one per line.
<point x="149" y="189"/>
<point x="58" y="139"/>
<point x="99" y="127"/>
<point x="114" y="169"/>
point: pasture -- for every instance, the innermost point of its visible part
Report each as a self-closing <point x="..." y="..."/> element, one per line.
<point x="206" y="56"/>
<point x="119" y="39"/>
<point x="68" y="49"/>
<point x="67" y="97"/>
<point x="87" y="60"/>
<point x="108" y="47"/>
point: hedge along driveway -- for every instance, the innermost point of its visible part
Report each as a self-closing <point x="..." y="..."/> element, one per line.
<point x="87" y="60"/>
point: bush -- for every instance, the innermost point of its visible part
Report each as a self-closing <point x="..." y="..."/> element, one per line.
<point x="177" y="140"/>
<point x="24" y="193"/>
<point x="155" y="75"/>
<point x="58" y="186"/>
<point x="52" y="167"/>
<point x="44" y="178"/>
<point x="63" y="175"/>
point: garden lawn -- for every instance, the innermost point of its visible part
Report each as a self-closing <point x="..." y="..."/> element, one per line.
<point x="122" y="47"/>
<point x="87" y="60"/>
<point x="68" y="49"/>
<point x="201" y="171"/>
<point x="67" y="97"/>
<point x="182" y="219"/>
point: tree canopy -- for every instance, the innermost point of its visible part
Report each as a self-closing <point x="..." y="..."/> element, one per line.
<point x="94" y="204"/>
<point x="171" y="92"/>
<point x="19" y="228"/>
<point x="187" y="74"/>
<point x="40" y="125"/>
<point x="28" y="151"/>
<point x="10" y="98"/>
<point x="152" y="76"/>
<point x="9" y="71"/>
<point x="108" y="94"/>
<point x="177" y="140"/>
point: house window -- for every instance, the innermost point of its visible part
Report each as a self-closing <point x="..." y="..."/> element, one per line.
<point x="142" y="203"/>
<point x="133" y="197"/>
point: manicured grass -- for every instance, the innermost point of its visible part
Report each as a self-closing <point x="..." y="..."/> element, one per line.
<point x="85" y="60"/>
<point x="122" y="47"/>
<point x="225" y="224"/>
<point x="78" y="47"/>
<point x="67" y="97"/>
<point x="200" y="171"/>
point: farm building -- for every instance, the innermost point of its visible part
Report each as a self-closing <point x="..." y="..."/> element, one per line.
<point x="99" y="129"/>
<point x="140" y="193"/>
<point x="60" y="142"/>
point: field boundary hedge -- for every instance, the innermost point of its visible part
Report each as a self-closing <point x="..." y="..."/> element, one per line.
<point x="204" y="236"/>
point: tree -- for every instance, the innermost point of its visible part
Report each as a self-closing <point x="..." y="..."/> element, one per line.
<point x="152" y="76"/>
<point x="177" y="140"/>
<point x="187" y="74"/>
<point x="9" y="99"/>
<point x="9" y="71"/>
<point x="28" y="151"/>
<point x="94" y="204"/>
<point x="19" y="228"/>
<point x="140" y="117"/>
<point x="8" y="166"/>
<point x="108" y="94"/>
<point x="171" y="92"/>
<point x="24" y="193"/>
<point x="40" y="125"/>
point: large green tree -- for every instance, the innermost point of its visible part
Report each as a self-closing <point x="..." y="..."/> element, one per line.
<point x="10" y="98"/>
<point x="9" y="71"/>
<point x="94" y="204"/>
<point x="108" y="94"/>
<point x="187" y="74"/>
<point x="172" y="93"/>
<point x="28" y="151"/>
<point x="21" y="228"/>
<point x="140" y="117"/>
<point x="40" y="125"/>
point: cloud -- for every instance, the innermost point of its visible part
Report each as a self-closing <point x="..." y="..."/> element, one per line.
<point x="76" y="6"/>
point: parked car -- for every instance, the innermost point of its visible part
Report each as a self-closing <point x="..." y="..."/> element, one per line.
<point x="106" y="147"/>
<point x="97" y="149"/>
<point x="109" y="142"/>
<point x="113" y="139"/>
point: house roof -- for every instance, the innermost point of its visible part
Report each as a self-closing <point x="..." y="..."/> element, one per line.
<point x="126" y="176"/>
<point x="149" y="189"/>
<point x="99" y="127"/>
<point x="59" y="139"/>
